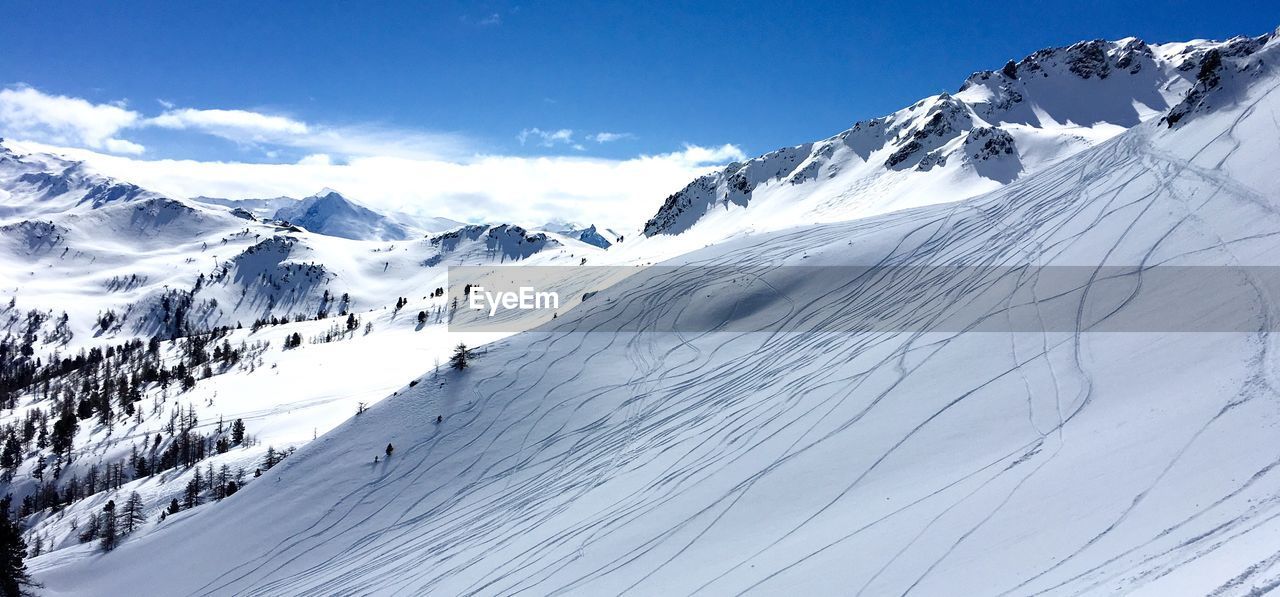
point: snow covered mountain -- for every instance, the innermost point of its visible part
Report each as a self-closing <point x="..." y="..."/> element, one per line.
<point x="154" y="324"/>
<point x="999" y="126"/>
<point x="910" y="460"/>
<point x="33" y="185"/>
<point x="77" y="242"/>
<point x="329" y="212"/>
<point x="603" y="238"/>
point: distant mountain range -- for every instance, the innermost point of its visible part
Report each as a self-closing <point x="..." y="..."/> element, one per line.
<point x="329" y="212"/>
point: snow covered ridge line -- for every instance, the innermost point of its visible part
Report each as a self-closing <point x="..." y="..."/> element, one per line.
<point x="999" y="126"/>
<point x="881" y="298"/>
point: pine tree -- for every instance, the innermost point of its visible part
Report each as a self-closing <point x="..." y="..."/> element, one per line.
<point x="91" y="529"/>
<point x="191" y="497"/>
<point x="460" y="356"/>
<point x="110" y="532"/>
<point x="174" y="506"/>
<point x="14" y="580"/>
<point x="132" y="516"/>
<point x="64" y="429"/>
<point x="12" y="454"/>
<point x="237" y="432"/>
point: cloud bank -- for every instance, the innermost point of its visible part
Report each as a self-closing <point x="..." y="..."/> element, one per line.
<point x="418" y="173"/>
<point x="30" y="114"/>
<point x="619" y="194"/>
<point x="26" y="112"/>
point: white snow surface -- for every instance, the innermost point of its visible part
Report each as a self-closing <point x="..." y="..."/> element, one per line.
<point x="821" y="463"/>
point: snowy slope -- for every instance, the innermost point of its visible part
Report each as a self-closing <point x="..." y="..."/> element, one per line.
<point x="263" y="209"/>
<point x="935" y="463"/>
<point x="36" y="184"/>
<point x="1000" y="126"/>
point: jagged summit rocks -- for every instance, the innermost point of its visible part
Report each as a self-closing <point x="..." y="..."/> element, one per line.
<point x="602" y="237"/>
<point x="1222" y="72"/>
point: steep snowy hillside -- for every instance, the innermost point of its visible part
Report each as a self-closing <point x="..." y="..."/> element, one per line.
<point x="36" y="184"/>
<point x="1000" y="126"/>
<point x="915" y="459"/>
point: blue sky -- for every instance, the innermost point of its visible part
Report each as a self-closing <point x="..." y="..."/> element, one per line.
<point x="758" y="75"/>
<point x="512" y="111"/>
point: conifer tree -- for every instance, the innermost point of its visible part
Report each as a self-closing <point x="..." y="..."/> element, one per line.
<point x="460" y="356"/>
<point x="14" y="580"/>
<point x="108" y="527"/>
<point x="91" y="529"/>
<point x="132" y="517"/>
<point x="237" y="432"/>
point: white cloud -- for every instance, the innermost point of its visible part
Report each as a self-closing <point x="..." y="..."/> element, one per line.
<point x="258" y="129"/>
<point x="553" y="138"/>
<point x="606" y="137"/>
<point x="420" y="173"/>
<point x="547" y="138"/>
<point x="316" y="159"/>
<point x="26" y="112"/>
<point x="619" y="194"/>
<point x="494" y="19"/>
<point x="236" y="125"/>
<point x="696" y="154"/>
<point x="122" y="146"/>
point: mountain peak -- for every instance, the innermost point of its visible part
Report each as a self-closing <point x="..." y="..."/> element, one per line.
<point x="329" y="212"/>
<point x="998" y="126"/>
<point x="327" y="192"/>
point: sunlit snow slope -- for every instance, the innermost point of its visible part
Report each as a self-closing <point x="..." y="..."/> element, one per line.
<point x="929" y="463"/>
